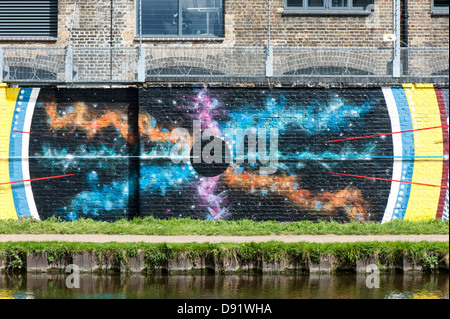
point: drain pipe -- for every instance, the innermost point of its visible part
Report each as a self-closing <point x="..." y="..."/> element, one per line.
<point x="396" y="67"/>
<point x="134" y="143"/>
<point x="269" y="48"/>
<point x="268" y="24"/>
<point x="111" y="42"/>
<point x="71" y="22"/>
<point x="141" y="52"/>
<point x="68" y="72"/>
<point x="405" y="21"/>
<point x="1" y="65"/>
<point x="405" y="39"/>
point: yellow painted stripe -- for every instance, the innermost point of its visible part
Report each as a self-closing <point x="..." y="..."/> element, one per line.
<point x="8" y="97"/>
<point x="424" y="108"/>
<point x="6" y="293"/>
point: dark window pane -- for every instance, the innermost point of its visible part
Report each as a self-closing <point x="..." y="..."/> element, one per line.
<point x="315" y="3"/>
<point x="294" y="3"/>
<point x="20" y="18"/>
<point x="441" y="3"/>
<point x="339" y="3"/>
<point x="362" y="3"/>
<point x="198" y="17"/>
<point x="202" y="17"/>
<point x="160" y="17"/>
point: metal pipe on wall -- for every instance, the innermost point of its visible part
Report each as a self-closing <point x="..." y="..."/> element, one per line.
<point x="111" y="41"/>
<point x="396" y="26"/>
<point x="269" y="49"/>
<point x="268" y="25"/>
<point x="404" y="43"/>
<point x="71" y="22"/>
<point x="405" y="21"/>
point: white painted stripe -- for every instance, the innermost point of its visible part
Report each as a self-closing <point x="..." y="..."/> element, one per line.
<point x="397" y="144"/>
<point x="25" y="150"/>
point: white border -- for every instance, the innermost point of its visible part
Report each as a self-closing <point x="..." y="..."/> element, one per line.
<point x="25" y="150"/>
<point x="398" y="153"/>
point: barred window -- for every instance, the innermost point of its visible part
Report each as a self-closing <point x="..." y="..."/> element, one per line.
<point x="439" y="6"/>
<point x="28" y="19"/>
<point x="328" y="6"/>
<point x="180" y="18"/>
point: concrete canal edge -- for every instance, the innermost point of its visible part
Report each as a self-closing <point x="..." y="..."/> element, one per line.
<point x="222" y="258"/>
<point x="329" y="238"/>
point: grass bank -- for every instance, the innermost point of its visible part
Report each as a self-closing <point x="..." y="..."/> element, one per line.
<point x="188" y="226"/>
<point x="223" y="257"/>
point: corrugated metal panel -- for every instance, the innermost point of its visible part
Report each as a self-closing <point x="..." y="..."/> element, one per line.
<point x="28" y="18"/>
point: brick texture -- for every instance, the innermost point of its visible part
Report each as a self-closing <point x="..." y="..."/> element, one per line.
<point x="228" y="153"/>
<point x="246" y="23"/>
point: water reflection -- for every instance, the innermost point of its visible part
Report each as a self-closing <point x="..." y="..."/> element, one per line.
<point x="342" y="286"/>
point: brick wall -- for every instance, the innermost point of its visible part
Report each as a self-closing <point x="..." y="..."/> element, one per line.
<point x="92" y="23"/>
<point x="425" y="29"/>
<point x="100" y="123"/>
<point x="294" y="191"/>
<point x="246" y="24"/>
<point x="127" y="152"/>
<point x="307" y="30"/>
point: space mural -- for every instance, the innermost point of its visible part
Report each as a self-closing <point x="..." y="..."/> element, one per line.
<point x="225" y="153"/>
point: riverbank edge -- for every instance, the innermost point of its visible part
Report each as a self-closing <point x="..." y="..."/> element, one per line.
<point x="222" y="258"/>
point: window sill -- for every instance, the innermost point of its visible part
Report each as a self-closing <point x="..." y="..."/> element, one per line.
<point x="327" y="12"/>
<point x="439" y="12"/>
<point x="168" y="39"/>
<point x="35" y="39"/>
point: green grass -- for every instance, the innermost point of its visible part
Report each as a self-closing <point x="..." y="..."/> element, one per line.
<point x="188" y="226"/>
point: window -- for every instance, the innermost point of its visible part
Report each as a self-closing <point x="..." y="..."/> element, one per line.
<point x="328" y="6"/>
<point x="180" y="18"/>
<point x="439" y="6"/>
<point x="29" y="19"/>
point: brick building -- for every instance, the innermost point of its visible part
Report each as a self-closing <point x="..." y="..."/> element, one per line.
<point x="330" y="38"/>
<point x="124" y="75"/>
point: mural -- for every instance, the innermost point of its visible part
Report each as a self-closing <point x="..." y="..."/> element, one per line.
<point x="225" y="153"/>
<point x="299" y="187"/>
<point x="82" y="133"/>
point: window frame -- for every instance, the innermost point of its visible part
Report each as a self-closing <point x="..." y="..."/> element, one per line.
<point x="326" y="9"/>
<point x="438" y="10"/>
<point x="177" y="36"/>
<point x="53" y="22"/>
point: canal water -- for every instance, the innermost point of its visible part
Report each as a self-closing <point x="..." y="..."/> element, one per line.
<point x="339" y="286"/>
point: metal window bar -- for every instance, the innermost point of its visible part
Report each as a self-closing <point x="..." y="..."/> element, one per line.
<point x="332" y="61"/>
<point x="28" y="64"/>
<point x="105" y="64"/>
<point x="209" y="63"/>
<point x="425" y="62"/>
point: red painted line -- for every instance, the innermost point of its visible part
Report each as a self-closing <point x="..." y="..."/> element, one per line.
<point x="367" y="136"/>
<point x="445" y="164"/>
<point x="385" y="179"/>
<point x="37" y="179"/>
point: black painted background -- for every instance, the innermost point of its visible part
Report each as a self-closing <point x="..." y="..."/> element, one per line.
<point x="54" y="197"/>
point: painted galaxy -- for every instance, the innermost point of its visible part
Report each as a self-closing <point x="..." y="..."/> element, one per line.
<point x="225" y="153"/>
<point x="300" y="188"/>
<point x="118" y="173"/>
